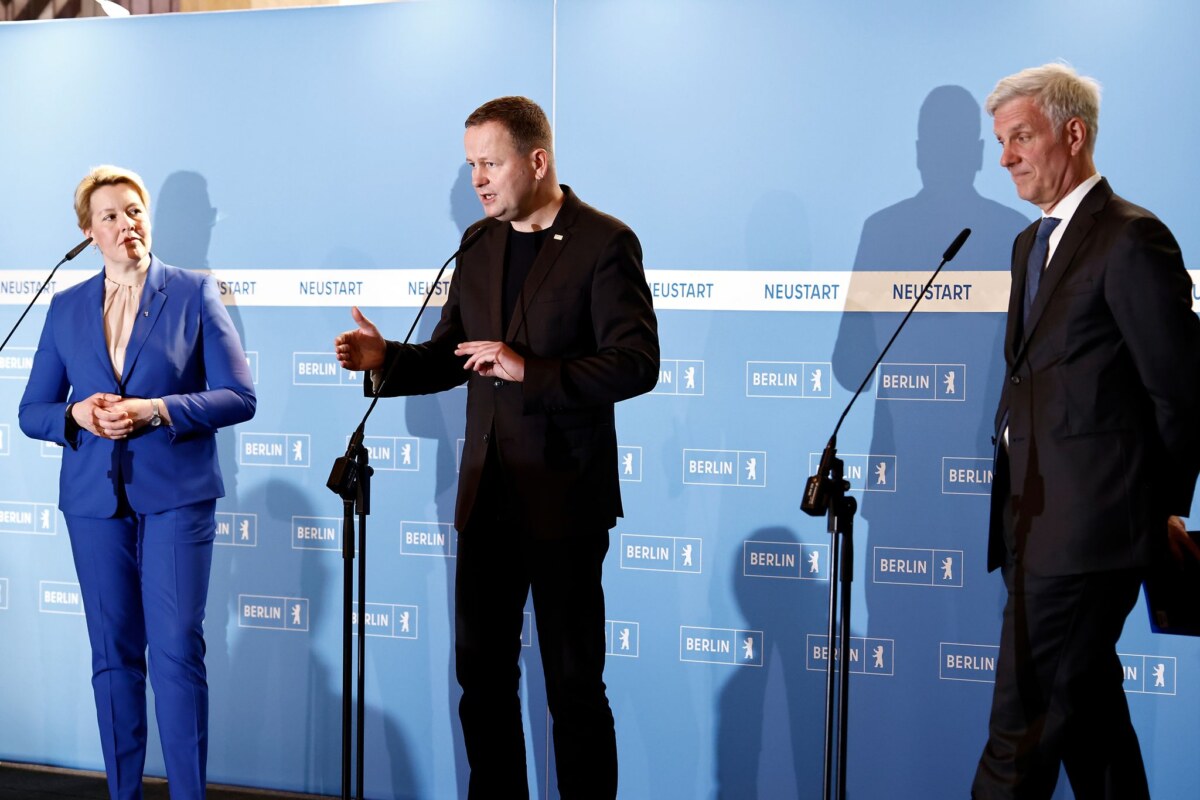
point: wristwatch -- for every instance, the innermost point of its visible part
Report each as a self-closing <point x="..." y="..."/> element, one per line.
<point x="156" y="420"/>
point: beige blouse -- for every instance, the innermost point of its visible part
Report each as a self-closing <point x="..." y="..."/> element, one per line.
<point x="120" y="311"/>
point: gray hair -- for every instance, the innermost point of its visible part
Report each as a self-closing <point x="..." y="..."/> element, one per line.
<point x="1059" y="91"/>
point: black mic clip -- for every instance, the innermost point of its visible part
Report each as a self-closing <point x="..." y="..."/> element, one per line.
<point x="819" y="486"/>
<point x="343" y="477"/>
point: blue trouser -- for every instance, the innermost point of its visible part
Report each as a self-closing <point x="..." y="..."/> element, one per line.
<point x="144" y="580"/>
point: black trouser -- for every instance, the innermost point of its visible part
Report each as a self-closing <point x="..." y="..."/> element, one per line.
<point x="498" y="564"/>
<point x="1059" y="696"/>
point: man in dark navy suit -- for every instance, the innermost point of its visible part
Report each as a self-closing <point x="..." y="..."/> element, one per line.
<point x="1096" y="456"/>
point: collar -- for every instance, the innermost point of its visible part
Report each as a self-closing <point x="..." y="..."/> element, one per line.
<point x="1065" y="209"/>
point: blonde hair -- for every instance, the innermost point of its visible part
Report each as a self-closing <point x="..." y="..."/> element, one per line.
<point x="105" y="175"/>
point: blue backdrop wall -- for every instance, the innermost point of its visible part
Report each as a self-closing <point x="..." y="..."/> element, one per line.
<point x="792" y="168"/>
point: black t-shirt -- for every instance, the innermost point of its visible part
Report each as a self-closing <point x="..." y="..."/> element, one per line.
<point x="519" y="255"/>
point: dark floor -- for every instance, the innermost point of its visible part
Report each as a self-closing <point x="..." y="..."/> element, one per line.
<point x="35" y="782"/>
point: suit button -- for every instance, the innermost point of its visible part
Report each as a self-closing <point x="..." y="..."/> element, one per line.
<point x="486" y="436"/>
<point x="1015" y="379"/>
<point x="497" y="383"/>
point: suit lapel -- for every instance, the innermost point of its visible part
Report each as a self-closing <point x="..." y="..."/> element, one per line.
<point x="552" y="248"/>
<point x="1013" y="335"/>
<point x="94" y="315"/>
<point x="154" y="296"/>
<point x="1078" y="229"/>
<point x="491" y="260"/>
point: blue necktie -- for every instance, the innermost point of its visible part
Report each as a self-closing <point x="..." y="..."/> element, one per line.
<point x="1037" y="260"/>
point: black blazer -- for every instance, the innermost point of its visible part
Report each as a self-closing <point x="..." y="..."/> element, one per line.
<point x="586" y="327"/>
<point x="1101" y="394"/>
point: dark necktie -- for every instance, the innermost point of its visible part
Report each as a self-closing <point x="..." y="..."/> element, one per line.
<point x="1037" y="260"/>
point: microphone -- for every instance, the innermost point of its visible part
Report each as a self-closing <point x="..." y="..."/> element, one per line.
<point x="344" y="474"/>
<point x="954" y="247"/>
<point x="815" y="501"/>
<point x="74" y="251"/>
<point x="467" y="241"/>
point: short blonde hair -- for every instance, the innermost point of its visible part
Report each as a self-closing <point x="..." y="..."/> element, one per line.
<point x="105" y="175"/>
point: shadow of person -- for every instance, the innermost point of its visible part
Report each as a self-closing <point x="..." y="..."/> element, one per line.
<point x="770" y="728"/>
<point x="911" y="235"/>
<point x="184" y="219"/>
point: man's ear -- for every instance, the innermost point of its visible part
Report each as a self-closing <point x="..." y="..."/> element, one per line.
<point x="1077" y="134"/>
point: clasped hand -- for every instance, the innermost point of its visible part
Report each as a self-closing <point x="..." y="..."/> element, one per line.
<point x="111" y="416"/>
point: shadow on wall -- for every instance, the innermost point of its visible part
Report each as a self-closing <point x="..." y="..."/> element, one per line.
<point x="184" y="218"/>
<point x="243" y="669"/>
<point x="770" y="723"/>
<point x="911" y="235"/>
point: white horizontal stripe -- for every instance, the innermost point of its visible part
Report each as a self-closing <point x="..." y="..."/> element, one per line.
<point x="685" y="290"/>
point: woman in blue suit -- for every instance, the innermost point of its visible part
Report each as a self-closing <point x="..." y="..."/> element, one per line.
<point x="136" y="369"/>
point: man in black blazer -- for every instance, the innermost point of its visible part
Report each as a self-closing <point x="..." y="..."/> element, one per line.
<point x="549" y="321"/>
<point x="1096" y="455"/>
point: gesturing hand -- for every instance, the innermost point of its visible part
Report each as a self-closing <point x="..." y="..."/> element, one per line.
<point x="363" y="348"/>
<point x="493" y="359"/>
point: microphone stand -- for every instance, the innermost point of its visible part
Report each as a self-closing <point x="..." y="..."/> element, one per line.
<point x="350" y="479"/>
<point x="825" y="494"/>
<point x="74" y="251"/>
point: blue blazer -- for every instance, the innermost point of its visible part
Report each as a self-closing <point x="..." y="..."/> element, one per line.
<point x="183" y="349"/>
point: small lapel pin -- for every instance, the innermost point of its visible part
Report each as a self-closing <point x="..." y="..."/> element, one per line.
<point x="145" y="313"/>
<point x="558" y="237"/>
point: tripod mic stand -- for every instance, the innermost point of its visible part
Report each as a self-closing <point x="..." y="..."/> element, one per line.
<point x="825" y="494"/>
<point x="350" y="479"/>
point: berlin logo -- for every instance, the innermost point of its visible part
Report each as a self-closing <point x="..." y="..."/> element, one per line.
<point x="962" y="475"/>
<point x="622" y="638"/>
<point x="15" y="364"/>
<point x="795" y="379"/>
<point x="321" y="369"/>
<point x="661" y="553"/>
<point x="237" y="530"/>
<point x="629" y="463"/>
<point x="273" y="449"/>
<point x="428" y="539"/>
<point x="393" y="453"/>
<point x="680" y="377"/>
<point x="868" y="655"/>
<point x="973" y="663"/>
<point x="865" y="473"/>
<point x="725" y="467"/>
<point x="60" y="597"/>
<point x="1146" y="674"/>
<point x="918" y="567"/>
<point x="316" y="533"/>
<point x="276" y="613"/>
<point x="721" y="646"/>
<point x="946" y="382"/>
<point x="388" y="620"/>
<point x="795" y="560"/>
<point x="39" y="519"/>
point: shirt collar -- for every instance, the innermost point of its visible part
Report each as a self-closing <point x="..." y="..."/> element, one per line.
<point x="1065" y="208"/>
